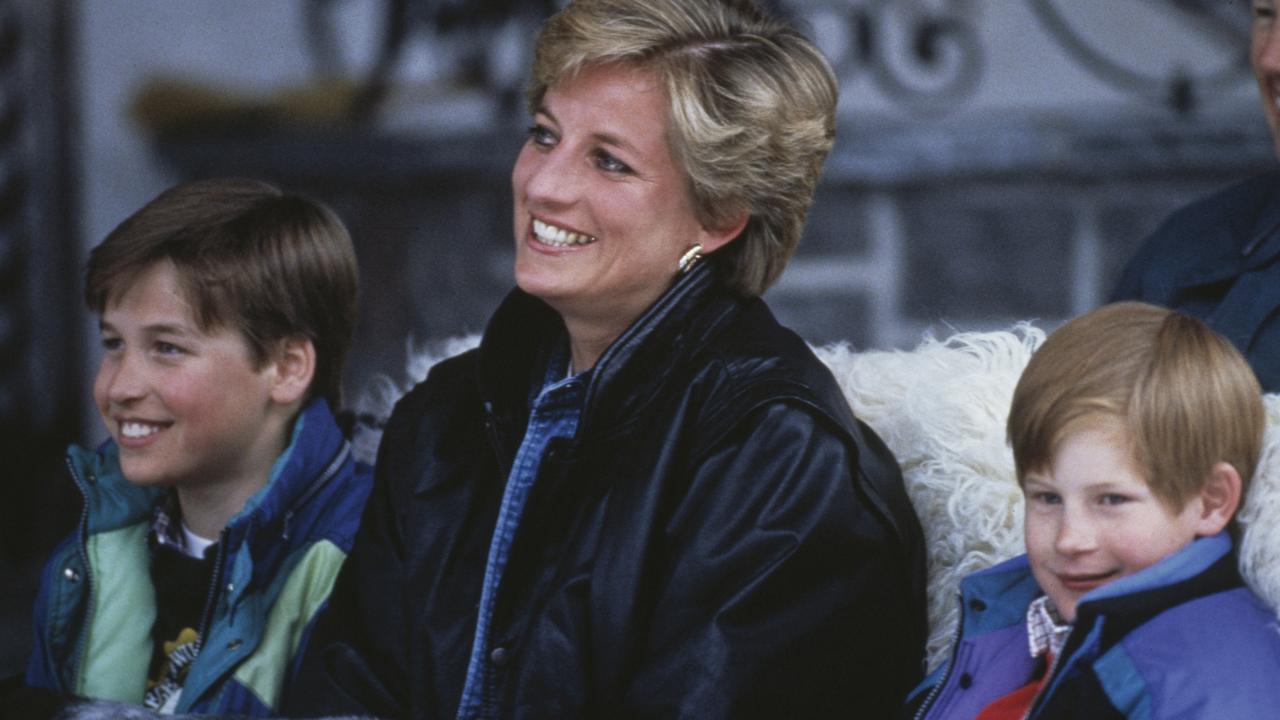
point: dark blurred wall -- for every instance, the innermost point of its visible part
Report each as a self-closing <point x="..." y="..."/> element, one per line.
<point x="41" y="396"/>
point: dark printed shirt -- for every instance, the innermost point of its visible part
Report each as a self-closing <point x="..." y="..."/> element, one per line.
<point x="182" y="585"/>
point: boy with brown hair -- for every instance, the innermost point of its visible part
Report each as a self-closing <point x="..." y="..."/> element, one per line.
<point x="220" y="509"/>
<point x="1135" y="432"/>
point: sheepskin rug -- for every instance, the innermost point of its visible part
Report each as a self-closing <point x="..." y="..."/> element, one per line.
<point x="942" y="408"/>
<point x="1260" y="516"/>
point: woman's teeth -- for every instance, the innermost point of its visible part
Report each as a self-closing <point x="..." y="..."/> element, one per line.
<point x="559" y="237"/>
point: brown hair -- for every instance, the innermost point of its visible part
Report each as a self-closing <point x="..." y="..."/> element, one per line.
<point x="752" y="110"/>
<point x="248" y="257"/>
<point x="1183" y="394"/>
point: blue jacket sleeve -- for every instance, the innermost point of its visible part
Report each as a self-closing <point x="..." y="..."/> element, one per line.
<point x="42" y="666"/>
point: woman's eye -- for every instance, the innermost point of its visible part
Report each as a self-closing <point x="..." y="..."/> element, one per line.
<point x="1113" y="499"/>
<point x="541" y="135"/>
<point x="111" y="344"/>
<point x="611" y="164"/>
<point x="165" y="348"/>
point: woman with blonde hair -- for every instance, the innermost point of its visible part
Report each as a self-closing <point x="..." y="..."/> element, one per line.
<point x="641" y="495"/>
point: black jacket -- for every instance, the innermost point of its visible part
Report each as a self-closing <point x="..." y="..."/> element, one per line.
<point x="721" y="538"/>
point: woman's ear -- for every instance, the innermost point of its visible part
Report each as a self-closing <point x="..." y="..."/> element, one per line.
<point x="1219" y="499"/>
<point x="295" y="366"/>
<point x="730" y="227"/>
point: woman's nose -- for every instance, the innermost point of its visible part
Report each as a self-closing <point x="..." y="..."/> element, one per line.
<point x="552" y="178"/>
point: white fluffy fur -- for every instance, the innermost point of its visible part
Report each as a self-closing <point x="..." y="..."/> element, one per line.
<point x="942" y="408"/>
<point x="1260" y="516"/>
<point x="381" y="395"/>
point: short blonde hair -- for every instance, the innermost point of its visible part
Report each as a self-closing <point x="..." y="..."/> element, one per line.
<point x="752" y="110"/>
<point x="1183" y="395"/>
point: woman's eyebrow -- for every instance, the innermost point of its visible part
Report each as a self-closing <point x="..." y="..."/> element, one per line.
<point x="615" y="141"/>
<point x="604" y="138"/>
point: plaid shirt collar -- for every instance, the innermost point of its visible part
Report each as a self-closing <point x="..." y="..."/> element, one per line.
<point x="1046" y="630"/>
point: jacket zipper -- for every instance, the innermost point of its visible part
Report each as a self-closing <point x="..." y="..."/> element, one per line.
<point x="329" y="473"/>
<point x="83" y="551"/>
<point x="214" y="581"/>
<point x="206" y="617"/>
<point x="946" y="674"/>
<point x="1048" y="676"/>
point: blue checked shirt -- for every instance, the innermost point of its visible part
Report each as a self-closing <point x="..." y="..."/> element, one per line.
<point x="554" y="414"/>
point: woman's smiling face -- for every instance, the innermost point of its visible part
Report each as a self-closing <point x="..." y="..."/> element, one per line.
<point x="602" y="209"/>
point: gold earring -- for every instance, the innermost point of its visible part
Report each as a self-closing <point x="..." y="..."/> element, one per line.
<point x="690" y="258"/>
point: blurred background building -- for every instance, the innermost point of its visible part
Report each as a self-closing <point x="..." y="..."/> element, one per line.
<point x="997" y="160"/>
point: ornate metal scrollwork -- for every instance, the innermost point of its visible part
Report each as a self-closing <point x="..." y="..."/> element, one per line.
<point x="1182" y="90"/>
<point x="926" y="55"/>
<point x="399" y="20"/>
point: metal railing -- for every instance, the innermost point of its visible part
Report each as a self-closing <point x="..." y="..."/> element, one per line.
<point x="926" y="55"/>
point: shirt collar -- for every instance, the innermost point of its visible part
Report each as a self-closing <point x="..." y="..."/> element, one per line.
<point x="1046" y="630"/>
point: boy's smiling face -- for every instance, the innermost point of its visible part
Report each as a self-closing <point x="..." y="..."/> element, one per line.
<point x="1091" y="518"/>
<point x="186" y="406"/>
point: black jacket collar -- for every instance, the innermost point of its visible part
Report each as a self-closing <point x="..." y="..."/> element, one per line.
<point x="524" y="331"/>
